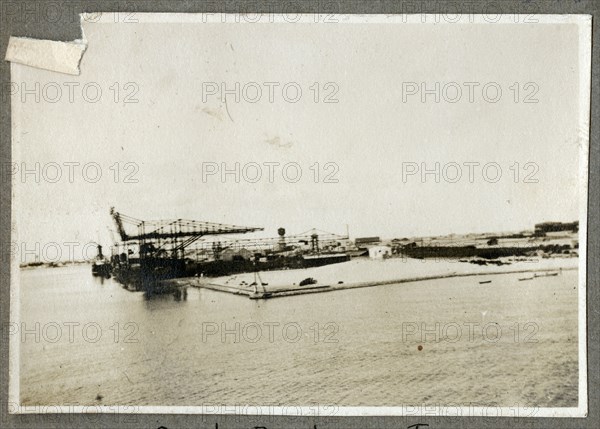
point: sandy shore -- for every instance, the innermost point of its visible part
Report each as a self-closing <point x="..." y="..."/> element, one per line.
<point x="368" y="272"/>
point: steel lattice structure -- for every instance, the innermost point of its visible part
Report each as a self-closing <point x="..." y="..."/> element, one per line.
<point x="169" y="238"/>
<point x="312" y="241"/>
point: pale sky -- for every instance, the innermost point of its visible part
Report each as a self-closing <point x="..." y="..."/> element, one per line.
<point x="369" y="133"/>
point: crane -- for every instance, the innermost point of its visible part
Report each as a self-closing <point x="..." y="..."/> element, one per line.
<point x="157" y="238"/>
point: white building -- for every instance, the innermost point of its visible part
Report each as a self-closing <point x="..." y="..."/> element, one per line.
<point x="380" y="252"/>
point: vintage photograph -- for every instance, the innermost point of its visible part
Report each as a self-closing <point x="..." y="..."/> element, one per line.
<point x="293" y="214"/>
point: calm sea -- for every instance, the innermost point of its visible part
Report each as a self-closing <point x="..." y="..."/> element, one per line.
<point x="86" y="340"/>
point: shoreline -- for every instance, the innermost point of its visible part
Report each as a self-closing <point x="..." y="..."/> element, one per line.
<point x="288" y="289"/>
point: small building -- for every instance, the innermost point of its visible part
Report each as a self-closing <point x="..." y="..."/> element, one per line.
<point x="542" y="228"/>
<point x="367" y="241"/>
<point x="380" y="252"/>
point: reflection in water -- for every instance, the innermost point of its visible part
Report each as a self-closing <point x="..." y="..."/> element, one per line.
<point x="178" y="294"/>
<point x="101" y="278"/>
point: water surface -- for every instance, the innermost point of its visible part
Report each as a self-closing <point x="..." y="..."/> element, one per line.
<point x="505" y="343"/>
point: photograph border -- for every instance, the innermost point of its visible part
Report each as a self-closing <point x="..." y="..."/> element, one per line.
<point x="73" y="417"/>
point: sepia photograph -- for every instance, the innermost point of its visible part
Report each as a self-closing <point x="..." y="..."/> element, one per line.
<point x="300" y="215"/>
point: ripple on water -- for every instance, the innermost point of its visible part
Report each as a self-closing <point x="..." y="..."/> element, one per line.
<point x="368" y="364"/>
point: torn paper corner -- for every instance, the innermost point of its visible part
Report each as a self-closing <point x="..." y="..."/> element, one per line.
<point x="62" y="57"/>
